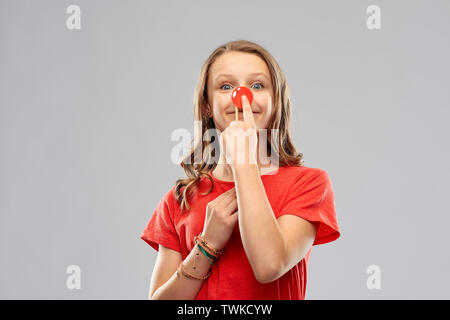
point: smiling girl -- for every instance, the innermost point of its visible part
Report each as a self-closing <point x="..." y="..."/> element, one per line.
<point x="241" y="229"/>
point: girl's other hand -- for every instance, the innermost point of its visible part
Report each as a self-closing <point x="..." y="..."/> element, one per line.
<point x="221" y="217"/>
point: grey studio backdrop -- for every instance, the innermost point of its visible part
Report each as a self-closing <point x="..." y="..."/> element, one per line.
<point x="87" y="115"/>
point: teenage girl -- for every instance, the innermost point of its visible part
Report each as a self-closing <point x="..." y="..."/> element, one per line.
<point x="240" y="229"/>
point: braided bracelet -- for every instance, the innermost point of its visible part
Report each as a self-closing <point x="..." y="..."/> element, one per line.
<point x="211" y="250"/>
<point x="208" y="256"/>
<point x="204" y="249"/>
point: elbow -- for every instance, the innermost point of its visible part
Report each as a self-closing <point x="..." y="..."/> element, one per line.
<point x="270" y="272"/>
<point x="268" y="275"/>
<point x="271" y="268"/>
<point x="153" y="295"/>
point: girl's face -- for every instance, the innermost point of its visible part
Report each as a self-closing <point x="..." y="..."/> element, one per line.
<point x="234" y="69"/>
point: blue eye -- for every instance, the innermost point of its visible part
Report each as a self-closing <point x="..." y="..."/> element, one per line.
<point x="260" y="85"/>
<point x="224" y="86"/>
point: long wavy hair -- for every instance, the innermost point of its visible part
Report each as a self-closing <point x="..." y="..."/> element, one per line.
<point x="185" y="187"/>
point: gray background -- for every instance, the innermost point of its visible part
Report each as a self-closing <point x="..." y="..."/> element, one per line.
<point x="86" y="118"/>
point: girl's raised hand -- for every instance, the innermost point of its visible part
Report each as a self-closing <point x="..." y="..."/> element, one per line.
<point x="239" y="139"/>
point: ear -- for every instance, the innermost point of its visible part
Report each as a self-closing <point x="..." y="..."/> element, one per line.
<point x="206" y="109"/>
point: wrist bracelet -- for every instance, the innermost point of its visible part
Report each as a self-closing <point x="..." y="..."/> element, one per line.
<point x="215" y="252"/>
<point x="207" y="251"/>
<point x="208" y="256"/>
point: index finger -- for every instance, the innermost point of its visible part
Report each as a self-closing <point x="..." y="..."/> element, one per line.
<point x="231" y="190"/>
<point x="229" y="194"/>
<point x="247" y="111"/>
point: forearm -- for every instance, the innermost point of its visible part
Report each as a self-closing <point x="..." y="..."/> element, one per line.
<point x="261" y="235"/>
<point x="179" y="287"/>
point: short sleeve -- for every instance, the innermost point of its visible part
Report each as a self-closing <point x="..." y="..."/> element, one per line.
<point x="161" y="228"/>
<point x="311" y="197"/>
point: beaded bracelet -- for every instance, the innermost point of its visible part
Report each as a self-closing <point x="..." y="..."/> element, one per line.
<point x="204" y="249"/>
<point x="215" y="252"/>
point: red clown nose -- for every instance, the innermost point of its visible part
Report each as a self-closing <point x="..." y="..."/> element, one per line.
<point x="238" y="93"/>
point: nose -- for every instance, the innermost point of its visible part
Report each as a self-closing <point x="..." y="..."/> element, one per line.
<point x="236" y="96"/>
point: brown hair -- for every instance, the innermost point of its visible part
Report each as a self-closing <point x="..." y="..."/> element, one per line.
<point x="280" y="120"/>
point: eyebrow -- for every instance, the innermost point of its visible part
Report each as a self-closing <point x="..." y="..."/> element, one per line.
<point x="251" y="74"/>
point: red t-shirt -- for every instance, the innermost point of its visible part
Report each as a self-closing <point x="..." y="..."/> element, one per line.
<point x="301" y="191"/>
